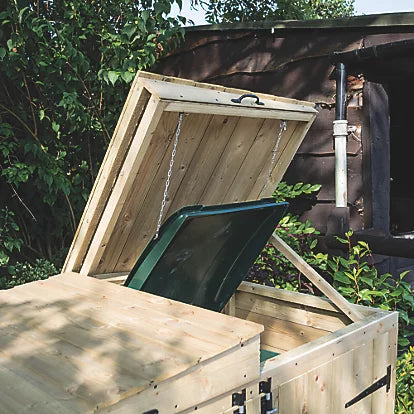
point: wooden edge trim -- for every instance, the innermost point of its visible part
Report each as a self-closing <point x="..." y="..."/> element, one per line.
<point x="299" y="298"/>
<point x="123" y="183"/>
<point x="220" y="109"/>
<point x="102" y="186"/>
<point x="305" y="357"/>
<point x="347" y="308"/>
<point x="172" y="79"/>
<point x="189" y="93"/>
<point x="266" y="291"/>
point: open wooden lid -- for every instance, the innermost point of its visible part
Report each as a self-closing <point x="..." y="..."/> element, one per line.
<point x="223" y="155"/>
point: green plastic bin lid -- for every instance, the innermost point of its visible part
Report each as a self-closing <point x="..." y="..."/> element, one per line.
<point x="203" y="253"/>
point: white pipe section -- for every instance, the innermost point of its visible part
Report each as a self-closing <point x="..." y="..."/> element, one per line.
<point x="340" y="132"/>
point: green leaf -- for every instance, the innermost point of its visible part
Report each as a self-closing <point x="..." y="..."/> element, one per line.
<point x="55" y="126"/>
<point x="367" y="280"/>
<point x="341" y="277"/>
<point x="129" y="29"/>
<point x="2" y="53"/>
<point x="127" y="76"/>
<point x="113" y="76"/>
<point x="403" y="341"/>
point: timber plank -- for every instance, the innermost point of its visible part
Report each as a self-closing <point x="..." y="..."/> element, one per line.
<point x="343" y="386"/>
<point x="381" y="357"/>
<point x="124" y="131"/>
<point x="203" y="85"/>
<point x="280" y="333"/>
<point x="231" y="160"/>
<point x="299" y="314"/>
<point x="123" y="184"/>
<point x="160" y="142"/>
<point x="204" y="161"/>
<point x="293" y="396"/>
<point x="192" y="131"/>
<point x="320" y="390"/>
<point x="258" y="158"/>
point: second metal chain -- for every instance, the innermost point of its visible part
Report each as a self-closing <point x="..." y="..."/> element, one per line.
<point x="167" y="182"/>
<point x="283" y="126"/>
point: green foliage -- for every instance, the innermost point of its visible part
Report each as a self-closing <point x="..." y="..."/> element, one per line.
<point x="359" y="282"/>
<point x="404" y="399"/>
<point x="272" y="268"/>
<point x="65" y="71"/>
<point x="25" y="272"/>
<point x="227" y="11"/>
<point x="286" y="191"/>
<point x="9" y="242"/>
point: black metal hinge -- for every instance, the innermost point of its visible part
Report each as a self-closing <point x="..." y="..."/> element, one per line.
<point x="385" y="381"/>
<point x="265" y="387"/>
<point x="154" y="411"/>
<point x="238" y="399"/>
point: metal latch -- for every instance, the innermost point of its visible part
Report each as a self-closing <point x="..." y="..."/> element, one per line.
<point x="237" y="400"/>
<point x="265" y="387"/>
<point x="382" y="382"/>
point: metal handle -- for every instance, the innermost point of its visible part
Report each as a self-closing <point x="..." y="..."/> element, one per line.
<point x="248" y="95"/>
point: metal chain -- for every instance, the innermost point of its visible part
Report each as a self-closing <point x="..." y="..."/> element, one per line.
<point x="283" y="126"/>
<point x="167" y="182"/>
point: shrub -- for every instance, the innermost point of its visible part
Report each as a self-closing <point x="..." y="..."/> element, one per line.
<point x="25" y="272"/>
<point x="404" y="401"/>
<point x="360" y="283"/>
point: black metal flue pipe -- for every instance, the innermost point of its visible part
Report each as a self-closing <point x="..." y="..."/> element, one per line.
<point x="340" y="107"/>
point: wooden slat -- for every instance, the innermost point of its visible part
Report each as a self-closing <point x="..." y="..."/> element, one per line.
<point x="259" y="158"/>
<point x="174" y="311"/>
<point x="313" y="276"/>
<point x="282" y="162"/>
<point x="363" y="370"/>
<point x="252" y="112"/>
<point x="293" y="396"/>
<point x="381" y="357"/>
<point x="123" y="184"/>
<point x="299" y="314"/>
<point x="203" y="85"/>
<point x="320" y="389"/>
<point x="300" y="298"/>
<point x="182" y="93"/>
<point x="392" y="350"/>
<point x="124" y="131"/>
<point x="32" y="395"/>
<point x="343" y="386"/>
<point x="280" y="333"/>
<point x="204" y="162"/>
<point x="231" y="160"/>
<point x="160" y="142"/>
<point x="146" y="218"/>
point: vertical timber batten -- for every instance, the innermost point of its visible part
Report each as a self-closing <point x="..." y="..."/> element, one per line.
<point x="126" y="176"/>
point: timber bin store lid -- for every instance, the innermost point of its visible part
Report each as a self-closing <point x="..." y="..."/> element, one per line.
<point x="202" y="254"/>
<point x="224" y="152"/>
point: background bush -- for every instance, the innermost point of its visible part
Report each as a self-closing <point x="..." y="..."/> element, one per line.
<point x="65" y="71"/>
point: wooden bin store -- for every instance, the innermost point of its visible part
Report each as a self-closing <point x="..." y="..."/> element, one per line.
<point x="75" y="343"/>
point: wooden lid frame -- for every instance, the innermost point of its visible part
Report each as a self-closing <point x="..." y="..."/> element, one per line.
<point x="223" y="155"/>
